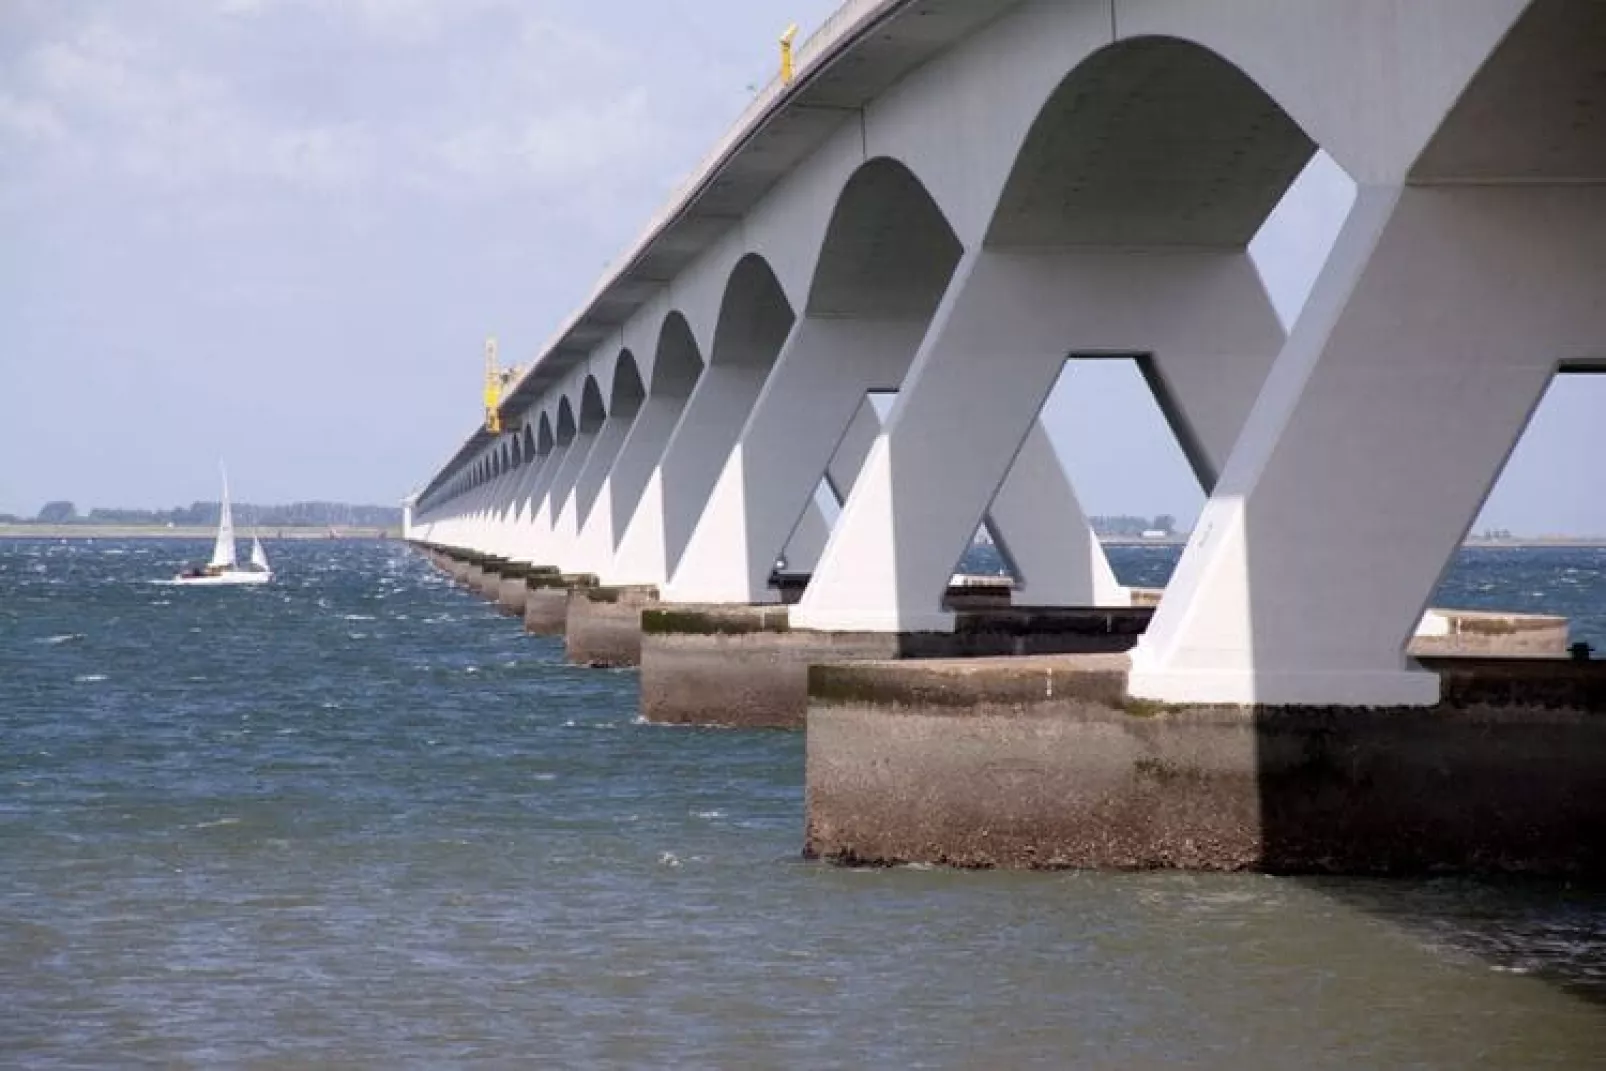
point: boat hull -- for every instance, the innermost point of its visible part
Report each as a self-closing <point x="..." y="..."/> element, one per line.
<point x="224" y="580"/>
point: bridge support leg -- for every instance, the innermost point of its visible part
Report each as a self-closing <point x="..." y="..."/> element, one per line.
<point x="533" y="539"/>
<point x="474" y="527"/>
<point x="624" y="494"/>
<point x="591" y="546"/>
<point x="702" y="439"/>
<point x="808" y="410"/>
<point x="808" y="540"/>
<point x="517" y="519"/>
<point x="1044" y="534"/>
<point x="818" y="384"/>
<point x="987" y="362"/>
<point x="1426" y="344"/>
<point x="566" y="495"/>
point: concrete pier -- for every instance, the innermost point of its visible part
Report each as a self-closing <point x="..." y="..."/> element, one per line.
<point x="1486" y="634"/>
<point x="546" y="603"/>
<point x="1048" y="762"/>
<point x="746" y="666"/>
<point x="515" y="584"/>
<point x="487" y="577"/>
<point x="603" y="628"/>
<point x="473" y="574"/>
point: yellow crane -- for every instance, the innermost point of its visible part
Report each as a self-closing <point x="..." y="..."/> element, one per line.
<point x="787" y="69"/>
<point x="493" y="390"/>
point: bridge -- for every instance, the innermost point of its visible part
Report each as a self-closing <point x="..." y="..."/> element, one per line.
<point x="952" y="198"/>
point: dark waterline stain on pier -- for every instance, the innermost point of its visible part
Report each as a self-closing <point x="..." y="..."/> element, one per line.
<point x="357" y="818"/>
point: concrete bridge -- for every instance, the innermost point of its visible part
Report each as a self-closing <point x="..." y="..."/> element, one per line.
<point x="955" y="197"/>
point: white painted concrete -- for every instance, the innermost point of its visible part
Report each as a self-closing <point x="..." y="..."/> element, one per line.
<point x="1099" y="168"/>
<point x="818" y="385"/>
<point x="801" y="421"/>
<point x="1043" y="533"/>
<point x="1424" y="348"/>
<point x="989" y="359"/>
<point x="626" y="493"/>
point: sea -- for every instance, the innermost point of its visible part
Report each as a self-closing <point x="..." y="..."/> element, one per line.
<point x="357" y="819"/>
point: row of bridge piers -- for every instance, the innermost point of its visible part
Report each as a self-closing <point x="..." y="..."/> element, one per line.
<point x="946" y="208"/>
<point x="1012" y="741"/>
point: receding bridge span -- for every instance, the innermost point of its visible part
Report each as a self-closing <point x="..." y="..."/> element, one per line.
<point x="954" y="197"/>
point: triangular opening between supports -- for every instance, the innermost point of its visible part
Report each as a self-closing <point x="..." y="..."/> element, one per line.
<point x="1538" y="543"/>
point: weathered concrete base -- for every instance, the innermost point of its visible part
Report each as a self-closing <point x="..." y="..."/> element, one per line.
<point x="744" y="666"/>
<point x="546" y="603"/>
<point x="487" y="578"/>
<point x="514" y="585"/>
<point x="457" y="568"/>
<point x="1045" y="762"/>
<point x="604" y="625"/>
<point x="1495" y="635"/>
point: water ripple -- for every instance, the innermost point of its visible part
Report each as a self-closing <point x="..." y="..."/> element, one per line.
<point x="252" y="840"/>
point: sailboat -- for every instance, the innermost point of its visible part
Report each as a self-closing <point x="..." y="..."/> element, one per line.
<point x="223" y="570"/>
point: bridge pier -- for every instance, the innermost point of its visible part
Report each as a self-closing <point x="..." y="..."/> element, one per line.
<point x="602" y="625"/>
<point x="992" y="353"/>
<point x="745" y="666"/>
<point x="812" y="419"/>
<point x="546" y="603"/>
<point x="1050" y="762"/>
<point x="1431" y="334"/>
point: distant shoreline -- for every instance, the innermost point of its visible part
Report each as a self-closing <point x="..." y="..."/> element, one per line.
<point x="303" y="532"/>
<point x="133" y="531"/>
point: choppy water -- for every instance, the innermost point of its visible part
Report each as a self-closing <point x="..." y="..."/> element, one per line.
<point x="356" y="819"/>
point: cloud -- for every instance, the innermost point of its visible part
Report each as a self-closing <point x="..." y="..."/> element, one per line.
<point x="30" y="120"/>
<point x="113" y="100"/>
<point x="446" y="99"/>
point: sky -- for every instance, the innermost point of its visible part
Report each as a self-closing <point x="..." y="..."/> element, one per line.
<point x="278" y="231"/>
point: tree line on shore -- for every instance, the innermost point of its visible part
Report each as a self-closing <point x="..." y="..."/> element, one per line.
<point x="205" y="514"/>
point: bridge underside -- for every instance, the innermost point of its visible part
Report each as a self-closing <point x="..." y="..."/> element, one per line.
<point x="957" y="197"/>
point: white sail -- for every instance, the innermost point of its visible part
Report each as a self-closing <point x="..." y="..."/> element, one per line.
<point x="223" y="549"/>
<point x="259" y="557"/>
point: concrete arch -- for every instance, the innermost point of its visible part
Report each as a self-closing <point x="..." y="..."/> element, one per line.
<point x="592" y="411"/>
<point x="593" y="534"/>
<point x="1373" y="117"/>
<point x="527" y="441"/>
<point x="565" y="426"/>
<point x="1150" y="141"/>
<point x="886" y="257"/>
<point x="1162" y="144"/>
<point x="544" y="437"/>
<point x="672" y="375"/>
<point x="754" y="317"/>
<point x="1535" y="111"/>
<point x="677" y="361"/>
<point x="626" y="391"/>
<point x="888" y="250"/>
